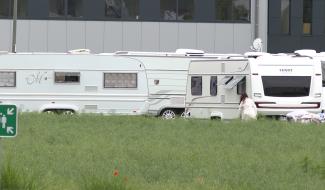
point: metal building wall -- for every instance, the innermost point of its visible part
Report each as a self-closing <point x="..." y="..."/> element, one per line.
<point x="110" y="36"/>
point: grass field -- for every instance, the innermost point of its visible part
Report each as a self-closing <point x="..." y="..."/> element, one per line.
<point x="53" y="152"/>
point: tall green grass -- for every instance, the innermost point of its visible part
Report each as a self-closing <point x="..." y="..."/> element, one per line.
<point x="86" y="151"/>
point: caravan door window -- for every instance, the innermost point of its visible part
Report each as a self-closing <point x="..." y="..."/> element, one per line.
<point x="120" y="80"/>
<point x="67" y="77"/>
<point x="7" y="79"/>
<point x="241" y="86"/>
<point x="213" y="85"/>
<point x="196" y="85"/>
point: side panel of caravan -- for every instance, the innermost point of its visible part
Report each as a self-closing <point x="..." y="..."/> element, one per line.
<point x="77" y="83"/>
<point x="167" y="77"/>
<point x="214" y="88"/>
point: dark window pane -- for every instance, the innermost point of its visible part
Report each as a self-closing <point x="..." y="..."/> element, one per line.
<point x="286" y="86"/>
<point x="67" y="77"/>
<point x="196" y="86"/>
<point x="4" y="8"/>
<point x="168" y="9"/>
<point x="56" y="8"/>
<point x="224" y="9"/>
<point x="126" y="9"/>
<point x="307" y="16"/>
<point x="241" y="10"/>
<point x="213" y="85"/>
<point x="241" y="86"/>
<point x="285" y="16"/>
<point x="75" y="8"/>
<point x="235" y="10"/>
<point x="185" y="10"/>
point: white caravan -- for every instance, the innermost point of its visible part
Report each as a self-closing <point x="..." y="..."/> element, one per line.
<point x="167" y="77"/>
<point x="321" y="57"/>
<point x="120" y="83"/>
<point x="278" y="84"/>
<point x="67" y="83"/>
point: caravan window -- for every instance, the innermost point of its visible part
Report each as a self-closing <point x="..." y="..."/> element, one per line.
<point x="67" y="77"/>
<point x="241" y="86"/>
<point x="196" y="85"/>
<point x="213" y="85"/>
<point x="7" y="79"/>
<point x="286" y="86"/>
<point x="120" y="80"/>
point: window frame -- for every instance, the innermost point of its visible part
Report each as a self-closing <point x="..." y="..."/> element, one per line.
<point x="232" y="20"/>
<point x="289" y="19"/>
<point x="15" y="79"/>
<point x="216" y="85"/>
<point x="107" y="87"/>
<point x="137" y="17"/>
<point x="20" y="7"/>
<point x="201" y="89"/>
<point x="66" y="15"/>
<point x="66" y="82"/>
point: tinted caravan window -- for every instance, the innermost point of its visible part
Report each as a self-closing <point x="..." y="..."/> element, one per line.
<point x="286" y="86"/>
<point x="196" y="85"/>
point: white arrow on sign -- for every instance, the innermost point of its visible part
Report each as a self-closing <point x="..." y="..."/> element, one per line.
<point x="10" y="111"/>
<point x="10" y="130"/>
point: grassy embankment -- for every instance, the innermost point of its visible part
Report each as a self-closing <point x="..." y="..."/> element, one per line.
<point x="109" y="152"/>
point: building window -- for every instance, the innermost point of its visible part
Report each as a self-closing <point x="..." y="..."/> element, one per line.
<point x="177" y="10"/>
<point x="233" y="10"/>
<point x="57" y="8"/>
<point x="67" y="77"/>
<point x="122" y="9"/>
<point x="7" y="79"/>
<point x="307" y="17"/>
<point x="120" y="80"/>
<point x="74" y="8"/>
<point x="6" y="8"/>
<point x="285" y="16"/>
<point x="196" y="85"/>
<point x="65" y="8"/>
<point x="213" y="85"/>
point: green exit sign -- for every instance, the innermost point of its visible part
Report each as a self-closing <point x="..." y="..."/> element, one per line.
<point x="8" y="120"/>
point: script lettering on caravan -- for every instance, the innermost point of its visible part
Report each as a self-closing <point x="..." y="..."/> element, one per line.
<point x="36" y="78"/>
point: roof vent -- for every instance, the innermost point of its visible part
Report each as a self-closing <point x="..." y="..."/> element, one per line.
<point x="255" y="54"/>
<point x="306" y="52"/>
<point x="190" y="52"/>
<point x="79" y="51"/>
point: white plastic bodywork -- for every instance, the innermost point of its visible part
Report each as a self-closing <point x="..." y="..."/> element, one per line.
<point x="225" y="103"/>
<point x="286" y="65"/>
<point x="227" y="99"/>
<point x="36" y="90"/>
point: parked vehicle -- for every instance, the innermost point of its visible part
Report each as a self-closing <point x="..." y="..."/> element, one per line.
<point x="69" y="83"/>
<point x="278" y="84"/>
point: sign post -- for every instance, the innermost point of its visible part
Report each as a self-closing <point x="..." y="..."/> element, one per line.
<point x="8" y="120"/>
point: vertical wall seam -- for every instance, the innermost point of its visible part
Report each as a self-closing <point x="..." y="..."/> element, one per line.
<point x="47" y="36"/>
<point x="86" y="35"/>
<point x="103" y="39"/>
<point x="159" y="45"/>
<point x="141" y="37"/>
<point x="215" y="38"/>
<point x="28" y="34"/>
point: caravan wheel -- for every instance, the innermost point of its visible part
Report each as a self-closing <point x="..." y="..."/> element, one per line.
<point x="168" y="114"/>
<point x="68" y="112"/>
